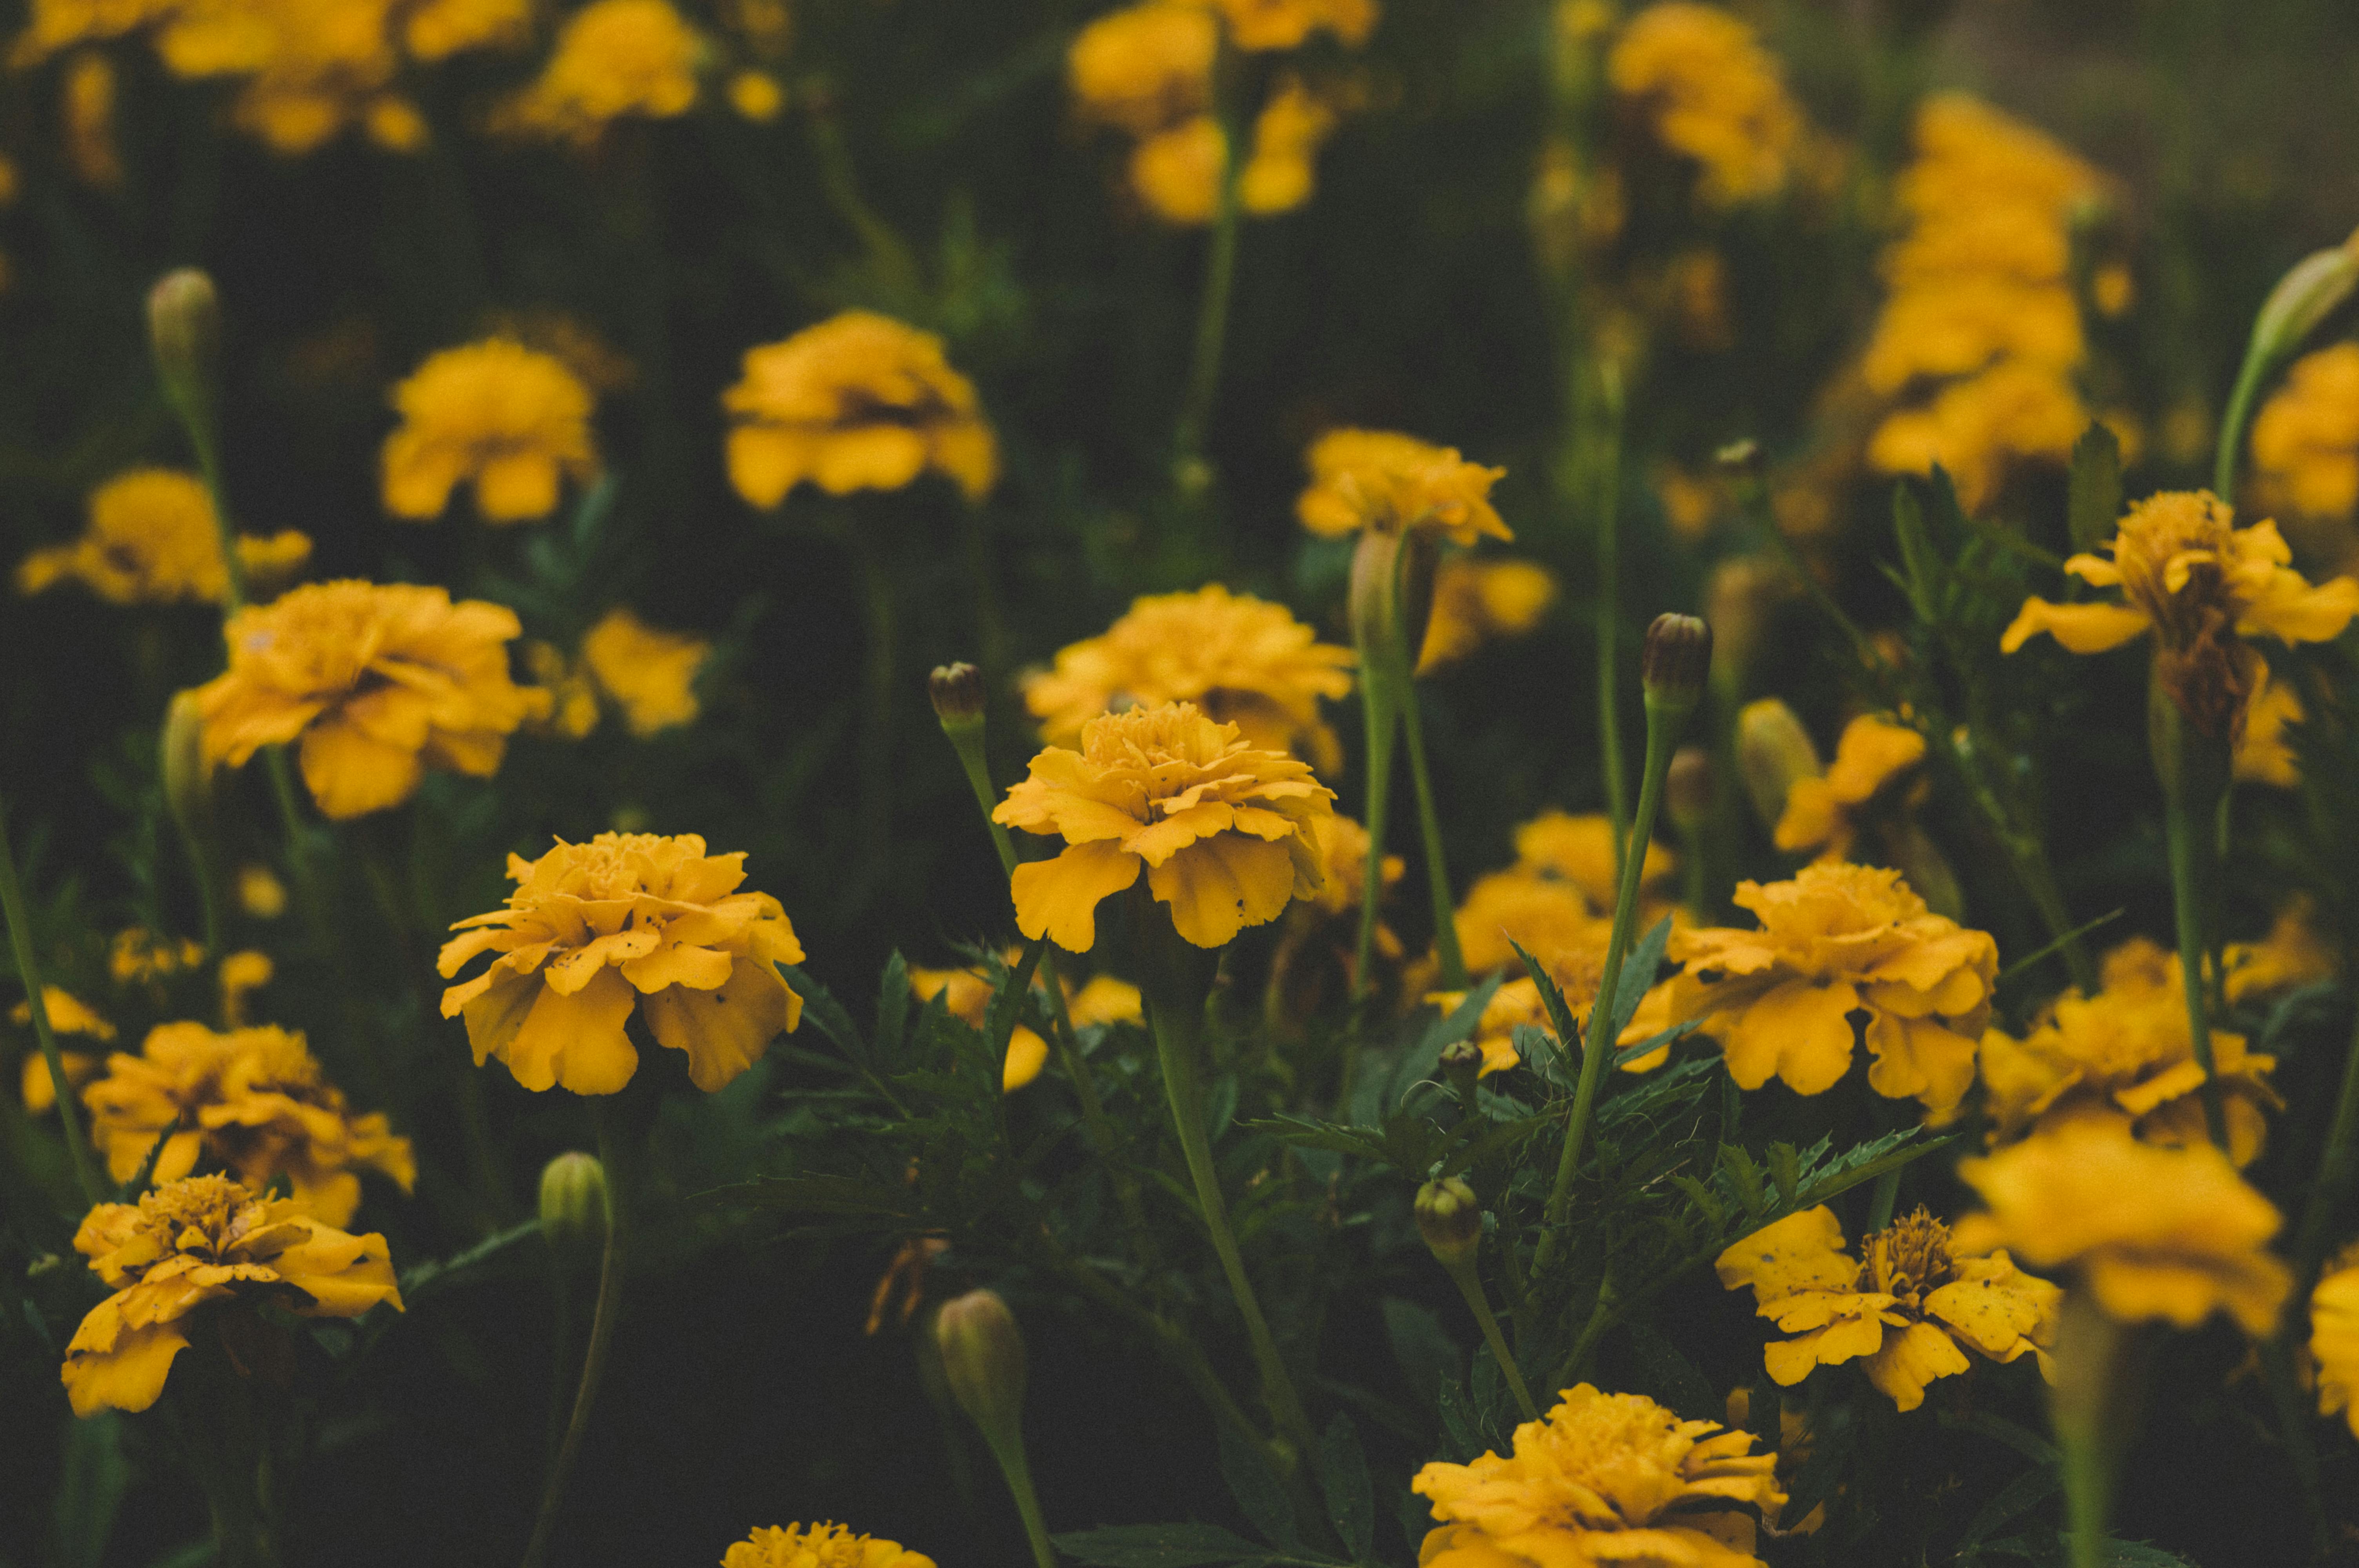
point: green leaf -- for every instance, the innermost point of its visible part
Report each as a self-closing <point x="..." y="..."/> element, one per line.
<point x="1785" y="1172"/>
<point x="1537" y="1046"/>
<point x="1922" y="570"/>
<point x="2095" y="505"/>
<point x="1158" y="1546"/>
<point x="892" y="1007"/>
<point x="1654" y="1043"/>
<point x="1423" y="1347"/>
<point x="1637" y="977"/>
<point x="823" y="1011"/>
<point x="1260" y="1494"/>
<point x="2026" y="1492"/>
<point x="89" y="1489"/>
<point x="1560" y="1018"/>
<point x="1424" y="1058"/>
<point x="1343" y="1481"/>
<point x="422" y="1277"/>
<point x="1743" y="1179"/>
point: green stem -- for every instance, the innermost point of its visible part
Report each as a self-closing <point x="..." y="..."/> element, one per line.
<point x="602" y="1337"/>
<point x="2186" y="807"/>
<point x="1211" y="312"/>
<point x="1663" y="725"/>
<point x="889" y="253"/>
<point x="200" y="440"/>
<point x="1007" y="1448"/>
<point x="1377" y="707"/>
<point x="1429" y="821"/>
<point x="1464" y="1274"/>
<point x="1604" y="457"/>
<point x="1880" y="1205"/>
<point x="2254" y="371"/>
<point x="2087" y="1403"/>
<point x="1175" y="1024"/>
<point x="20" y="944"/>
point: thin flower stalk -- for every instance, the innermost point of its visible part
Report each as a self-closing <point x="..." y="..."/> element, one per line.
<point x="602" y="1319"/>
<point x="1469" y="1281"/>
<point x="1428" y="821"/>
<point x="1219" y="285"/>
<point x="1599" y="438"/>
<point x="2181" y="758"/>
<point x="20" y="946"/>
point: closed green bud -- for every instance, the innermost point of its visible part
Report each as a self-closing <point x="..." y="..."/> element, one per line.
<point x="2304" y="297"/>
<point x="187" y="776"/>
<point x="184" y="330"/>
<point x="983" y="1361"/>
<point x="1461" y="1064"/>
<point x="1773" y="754"/>
<point x="1676" y="662"/>
<point x="575" y="1207"/>
<point x="956" y="691"/>
<point x="1687" y="788"/>
<point x="1392" y="595"/>
<point x="1449" y="1219"/>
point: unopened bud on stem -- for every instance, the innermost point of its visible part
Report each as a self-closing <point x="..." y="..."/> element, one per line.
<point x="1773" y="754"/>
<point x="1687" y="788"/>
<point x="956" y="691"/>
<point x="1676" y="662"/>
<point x="983" y="1361"/>
<point x="574" y="1207"/>
<point x="1461" y="1064"/>
<point x="184" y="330"/>
<point x="188" y="778"/>
<point x="1451" y="1220"/>
<point x="1392" y="595"/>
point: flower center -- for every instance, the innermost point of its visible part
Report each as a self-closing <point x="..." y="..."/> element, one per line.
<point x="1910" y="1260"/>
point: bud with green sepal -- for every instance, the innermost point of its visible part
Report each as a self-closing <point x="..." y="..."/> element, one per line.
<point x="983" y="1361"/>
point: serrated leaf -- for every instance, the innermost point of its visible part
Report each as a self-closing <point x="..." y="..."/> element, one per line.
<point x="1423" y="1347"/>
<point x="1638" y="976"/>
<point x="2093" y="507"/>
<point x="1260" y="1494"/>
<point x="1785" y="1173"/>
<point x="825" y="1014"/>
<point x="892" y="1006"/>
<point x="432" y="1274"/>
<point x="1743" y="1179"/>
<point x="1654" y="1043"/>
<point x="1921" y="570"/>
<point x="1560" y="1018"/>
<point x="1537" y="1049"/>
<point x="1158" y="1546"/>
<point x="1343" y="1482"/>
<point x="1704" y="1198"/>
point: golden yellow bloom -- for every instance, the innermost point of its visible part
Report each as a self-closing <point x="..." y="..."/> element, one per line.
<point x="1712" y="94"/>
<point x="1282" y="170"/>
<point x="614" y="58"/>
<point x="242" y="974"/>
<point x="253" y="1100"/>
<point x="140" y="957"/>
<point x="1606" y="1479"/>
<point x="2264" y="753"/>
<point x="509" y="420"/>
<point x="1175" y="173"/>
<point x="1839" y="940"/>
<point x="1580" y="849"/>
<point x="820" y="1546"/>
<point x="1224" y="830"/>
<point x="756" y="96"/>
<point x="966" y="996"/>
<point x="650" y="674"/>
<point x="39" y="1091"/>
<point x="312" y="67"/>
<point x="1242" y="660"/>
<point x="441" y="28"/>
<point x="59" y="24"/>
<point x="1145" y="68"/>
<point x="1105" y="999"/>
<point x="1476" y="600"/>
<point x="1379" y="479"/>
<point x="2189" y="575"/>
<point x="2127" y="1049"/>
<point x="626" y="920"/>
<point x="1872" y="753"/>
<point x="1256" y="25"/>
<point x="67" y="1015"/>
<point x="1936" y="1302"/>
<point x="2335" y="1339"/>
<point x="1545" y="916"/>
<point x="260" y="893"/>
<point x="2152" y="1232"/>
<point x="151" y="540"/>
<point x="188" y="1244"/>
<point x="858" y="401"/>
<point x="2306" y="436"/>
<point x="377" y="681"/>
<point x="2294" y="953"/>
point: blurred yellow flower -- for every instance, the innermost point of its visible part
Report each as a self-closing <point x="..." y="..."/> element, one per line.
<point x="39" y="1091"/>
<point x="512" y="421"/>
<point x="189" y="1245"/>
<point x="1380" y="478"/>
<point x="437" y="29"/>
<point x="2294" y="953"/>
<point x="2264" y="752"/>
<point x="2152" y="1232"/>
<point x="1256" y="25"/>
<point x="1145" y="68"/>
<point x="1545" y="916"/>
<point x="2306" y="436"/>
<point x="260" y="893"/>
<point x="966" y="996"/>
<point x="151" y="540"/>
<point x="1913" y="1306"/>
<point x="312" y="67"/>
<point x="1242" y="660"/>
<point x="1712" y="94"/>
<point x="67" y="1015"/>
<point x="86" y="103"/>
<point x="378" y="682"/>
<point x="1105" y="999"/>
<point x="1224" y="830"/>
<point x="1604" y="1479"/>
<point x="2127" y="1049"/>
<point x="140" y="957"/>
<point x="1838" y="939"/>
<point x="572" y="709"/>
<point x="858" y="401"/>
<point x="242" y="974"/>
<point x="1476" y="600"/>
<point x="2335" y="1339"/>
<point x="1518" y="1003"/>
<point x="1872" y="753"/>
<point x="1580" y="849"/>
<point x="629" y="920"/>
<point x="251" y="1100"/>
<point x="820" y="1546"/>
<point x="756" y="95"/>
<point x="614" y="58"/>
<point x="650" y="674"/>
<point x="1282" y="170"/>
<point x="1175" y="173"/>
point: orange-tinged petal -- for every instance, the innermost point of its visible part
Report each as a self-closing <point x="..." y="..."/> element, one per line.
<point x="1219" y="886"/>
<point x="1058" y="898"/>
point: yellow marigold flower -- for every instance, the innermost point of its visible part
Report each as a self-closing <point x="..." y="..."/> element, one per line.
<point x="59" y="24"/>
<point x="2264" y="754"/>
<point x="2293" y="954"/>
<point x="2335" y="1339"/>
<point x="1606" y="1479"/>
<point x="1145" y="68"/>
<point x="260" y="893"/>
<point x="441" y="28"/>
<point x="312" y="67"/>
<point x="2127" y="1049"/>
<point x="2152" y="1232"/>
<point x="1343" y="854"/>
<point x="1545" y="915"/>
<point x="1258" y="24"/>
<point x="1976" y="427"/>
<point x="1713" y="94"/>
<point x="1105" y="999"/>
<point x="140" y="957"/>
<point x="966" y="996"/>
<point x="820" y="1546"/>
<point x="628" y="919"/>
<point x="650" y="674"/>
<point x="86" y="103"/>
<point x="2306" y="436"/>
<point x="1475" y="601"/>
<point x="1839" y="940"/>
<point x="1872" y="753"/>
<point x="191" y="1244"/>
<point x="858" y="401"/>
<point x="1794" y="1443"/>
<point x="39" y="1091"/>
<point x="572" y="710"/>
<point x="1912" y="1281"/>
<point x="253" y="1100"/>
<point x="1288" y="133"/>
<point x="511" y="421"/>
<point x="242" y="974"/>
<point x="614" y="58"/>
<point x="2189" y="575"/>
<point x="1580" y="849"/>
<point x="67" y="1015"/>
<point x="1225" y="831"/>
<point x="378" y="682"/>
<point x="151" y="540"/>
<point x="756" y="96"/>
<point x="1175" y="173"/>
<point x="1242" y="660"/>
<point x="1380" y="478"/>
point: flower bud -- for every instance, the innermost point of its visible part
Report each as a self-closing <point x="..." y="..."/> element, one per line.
<point x="1741" y="597"/>
<point x="575" y="1207"/>
<point x="956" y="691"/>
<point x="983" y="1361"/>
<point x="1392" y="595"/>
<point x="1461" y="1064"/>
<point x="188" y="778"/>
<point x="184" y="330"/>
<point x="1675" y="661"/>
<point x="1449" y="1219"/>
<point x="1687" y="788"/>
<point x="2304" y="297"/>
<point x="1773" y="754"/>
<point x="1741" y="460"/>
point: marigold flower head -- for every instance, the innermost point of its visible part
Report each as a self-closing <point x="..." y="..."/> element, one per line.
<point x="312" y="67"/>
<point x="820" y="1546"/>
<point x="2335" y="1339"/>
<point x="650" y="674"/>
<point x="1381" y="479"/>
<point x="151" y="539"/>
<point x="1223" y="830"/>
<point x="68" y="1014"/>
<point x="629" y="920"/>
<point x="253" y="1100"/>
<point x="259" y="892"/>
<point x="377" y="682"/>
<point x="511" y="421"/>
<point x="1476" y="601"/>
<point x="858" y="401"/>
<point x="1715" y="95"/>
<point x="1580" y="849"/>
<point x="1913" y="1306"/>
<point x="1839" y="940"/>
<point x="2199" y="583"/>
<point x="2151" y="1232"/>
<point x="2127" y="1049"/>
<point x="1604" y="1478"/>
<point x="1871" y="754"/>
<point x="614" y="58"/>
<point x="187" y="1246"/>
<point x="1242" y="660"/>
<point x="1545" y="915"/>
<point x="441" y="28"/>
<point x="2306" y="436"/>
<point x="1258" y="24"/>
<point x="1343" y="851"/>
<point x="1146" y="67"/>
<point x="1282" y="170"/>
<point x="2294" y="953"/>
<point x="139" y="956"/>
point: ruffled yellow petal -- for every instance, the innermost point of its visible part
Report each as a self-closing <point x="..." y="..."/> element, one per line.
<point x="1058" y="898"/>
<point x="576" y="1041"/>
<point x="1911" y="1359"/>
<point x="1217" y="887"/>
<point x="2081" y="628"/>
<point x="724" y="1031"/>
<point x="1798" y="1031"/>
<point x="129" y="1376"/>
